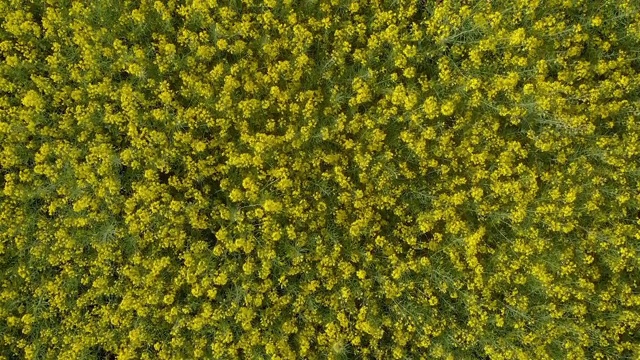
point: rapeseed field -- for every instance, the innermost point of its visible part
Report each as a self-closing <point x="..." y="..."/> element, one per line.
<point x="320" y="179"/>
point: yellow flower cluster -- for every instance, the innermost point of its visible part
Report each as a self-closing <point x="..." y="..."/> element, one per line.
<point x="312" y="179"/>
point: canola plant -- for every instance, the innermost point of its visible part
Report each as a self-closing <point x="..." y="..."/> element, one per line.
<point x="319" y="179"/>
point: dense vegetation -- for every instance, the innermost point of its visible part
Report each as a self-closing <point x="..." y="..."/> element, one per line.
<point x="320" y="179"/>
